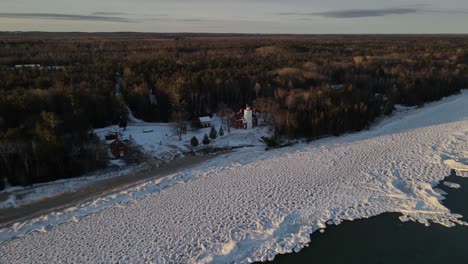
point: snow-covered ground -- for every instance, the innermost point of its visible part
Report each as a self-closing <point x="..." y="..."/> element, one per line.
<point x="17" y="196"/>
<point x="160" y="139"/>
<point x="251" y="205"/>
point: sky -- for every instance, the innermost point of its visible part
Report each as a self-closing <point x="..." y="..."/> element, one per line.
<point x="241" y="16"/>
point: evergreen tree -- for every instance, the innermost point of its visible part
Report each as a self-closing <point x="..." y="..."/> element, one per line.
<point x="213" y="133"/>
<point x="221" y="131"/>
<point x="194" y="141"/>
<point x="206" y="140"/>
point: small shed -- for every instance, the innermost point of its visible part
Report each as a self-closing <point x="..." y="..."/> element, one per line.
<point x="205" y="121"/>
<point x="118" y="148"/>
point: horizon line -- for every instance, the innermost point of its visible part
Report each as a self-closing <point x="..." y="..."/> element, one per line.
<point x="222" y="33"/>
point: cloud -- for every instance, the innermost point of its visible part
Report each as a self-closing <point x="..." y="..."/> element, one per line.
<point x="166" y="18"/>
<point x="359" y="13"/>
<point x="452" y="12"/>
<point x="108" y="14"/>
<point x="101" y="17"/>
<point x="354" y="13"/>
<point x="111" y="17"/>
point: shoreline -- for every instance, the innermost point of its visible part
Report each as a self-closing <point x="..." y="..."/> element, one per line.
<point x="9" y="216"/>
<point x="334" y="234"/>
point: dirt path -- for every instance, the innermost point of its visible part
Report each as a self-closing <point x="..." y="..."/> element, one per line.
<point x="9" y="216"/>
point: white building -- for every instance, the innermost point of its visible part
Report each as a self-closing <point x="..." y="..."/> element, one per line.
<point x="248" y="117"/>
<point x="205" y="121"/>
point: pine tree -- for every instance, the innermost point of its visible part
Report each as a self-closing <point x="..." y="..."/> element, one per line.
<point x="194" y="141"/>
<point x="206" y="140"/>
<point x="221" y="132"/>
<point x="213" y="133"/>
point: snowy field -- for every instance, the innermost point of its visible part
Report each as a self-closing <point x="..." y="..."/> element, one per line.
<point x="160" y="140"/>
<point x="251" y="205"/>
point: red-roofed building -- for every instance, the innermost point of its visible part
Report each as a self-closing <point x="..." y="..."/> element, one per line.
<point x="118" y="148"/>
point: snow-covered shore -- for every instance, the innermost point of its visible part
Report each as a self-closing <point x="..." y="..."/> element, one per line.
<point x="251" y="205"/>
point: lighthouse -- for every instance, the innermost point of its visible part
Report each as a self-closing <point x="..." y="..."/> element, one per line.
<point x="248" y="117"/>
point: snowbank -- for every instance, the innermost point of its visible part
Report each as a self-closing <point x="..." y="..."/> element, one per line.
<point x="17" y="196"/>
<point x="251" y="205"/>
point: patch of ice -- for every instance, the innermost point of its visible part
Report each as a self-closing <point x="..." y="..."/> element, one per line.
<point x="404" y="218"/>
<point x="458" y="166"/>
<point x="452" y="185"/>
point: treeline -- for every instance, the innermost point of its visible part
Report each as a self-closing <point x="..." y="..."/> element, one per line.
<point x="365" y="92"/>
<point x="310" y="86"/>
<point x="45" y="130"/>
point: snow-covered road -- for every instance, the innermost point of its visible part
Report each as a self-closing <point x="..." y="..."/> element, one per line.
<point x="251" y="205"/>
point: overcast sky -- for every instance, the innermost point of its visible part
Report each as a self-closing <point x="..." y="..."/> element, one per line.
<point x="237" y="16"/>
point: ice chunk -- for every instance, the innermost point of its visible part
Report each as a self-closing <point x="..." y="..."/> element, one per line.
<point x="452" y="185"/>
<point x="456" y="165"/>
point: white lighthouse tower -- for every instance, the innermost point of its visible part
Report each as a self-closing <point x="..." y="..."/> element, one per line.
<point x="248" y="117"/>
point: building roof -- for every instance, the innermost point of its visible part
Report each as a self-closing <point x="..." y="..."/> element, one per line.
<point x="205" y="119"/>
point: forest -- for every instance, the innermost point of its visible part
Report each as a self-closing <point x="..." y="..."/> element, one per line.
<point x="56" y="87"/>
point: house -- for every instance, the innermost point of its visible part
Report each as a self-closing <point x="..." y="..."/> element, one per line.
<point x="205" y="121"/>
<point x="118" y="148"/>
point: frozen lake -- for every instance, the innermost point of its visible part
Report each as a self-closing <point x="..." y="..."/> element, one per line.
<point x="385" y="239"/>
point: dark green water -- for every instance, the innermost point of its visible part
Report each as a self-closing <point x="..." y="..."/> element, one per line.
<point x="385" y="239"/>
